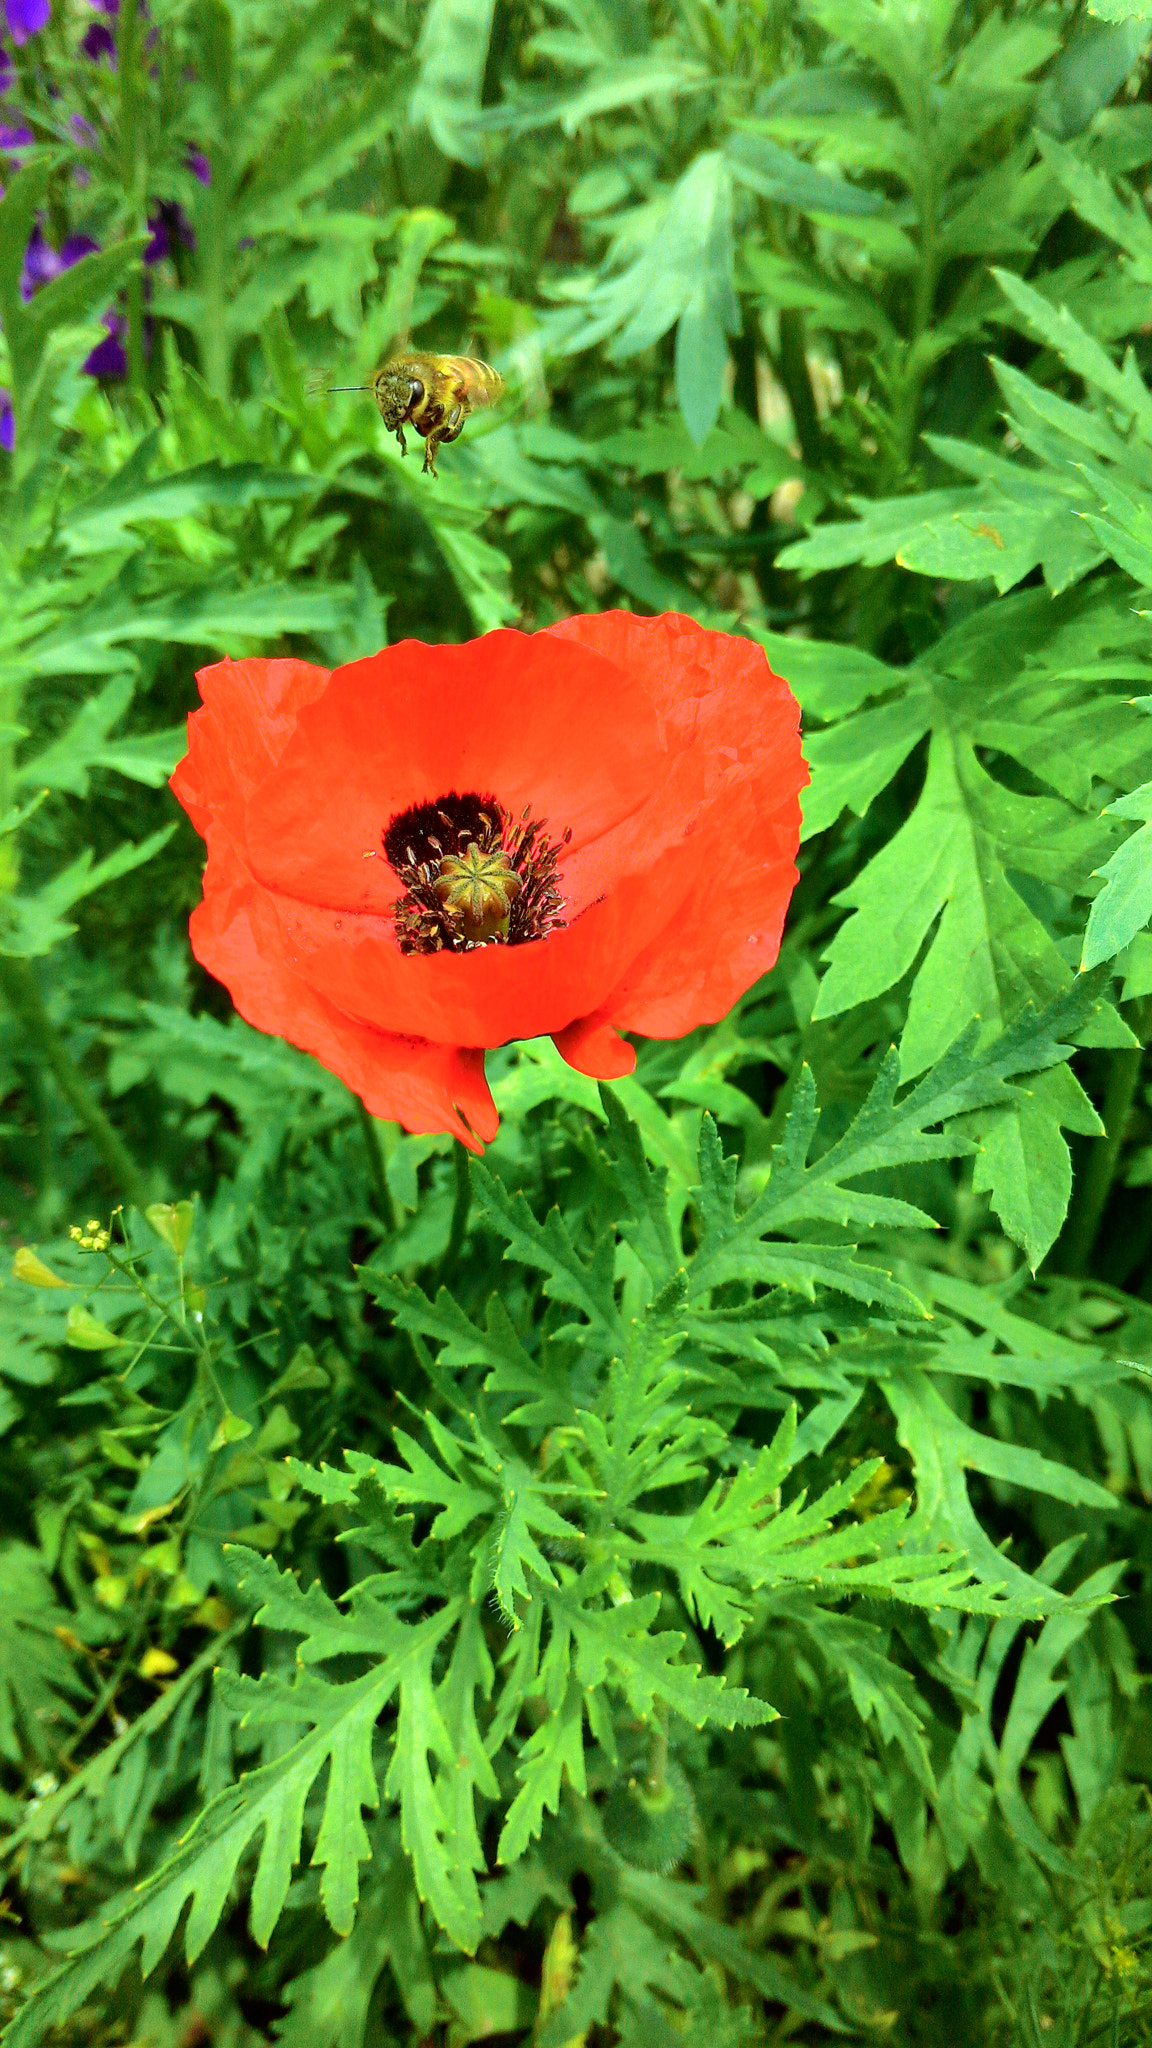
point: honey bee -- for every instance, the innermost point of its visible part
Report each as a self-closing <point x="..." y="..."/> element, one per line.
<point x="434" y="394"/>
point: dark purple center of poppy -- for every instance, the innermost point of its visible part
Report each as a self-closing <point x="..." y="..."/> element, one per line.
<point x="472" y="875"/>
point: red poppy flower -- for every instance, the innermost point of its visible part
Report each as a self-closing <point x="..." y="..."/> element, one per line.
<point x="582" y="831"/>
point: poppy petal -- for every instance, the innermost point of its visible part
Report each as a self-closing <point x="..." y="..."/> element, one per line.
<point x="426" y="1087"/>
<point x="248" y="716"/>
<point x="722" y="940"/>
<point x="514" y="716"/>
<point x="495" y="993"/>
<point x="594" y="1047"/>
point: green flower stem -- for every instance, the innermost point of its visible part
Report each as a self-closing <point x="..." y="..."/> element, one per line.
<point x="793" y="367"/>
<point x="460" y="1211"/>
<point x="133" y="173"/>
<point x="377" y="1171"/>
<point x="1095" y="1185"/>
<point x="18" y="984"/>
<point x="658" y="1755"/>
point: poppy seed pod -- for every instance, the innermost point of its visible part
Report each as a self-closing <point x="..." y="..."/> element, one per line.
<point x="582" y="831"/>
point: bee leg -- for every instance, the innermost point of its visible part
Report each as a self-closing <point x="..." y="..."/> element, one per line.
<point x="453" y="426"/>
<point x="402" y="441"/>
<point x="430" y="447"/>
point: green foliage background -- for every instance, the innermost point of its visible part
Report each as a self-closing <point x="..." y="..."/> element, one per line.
<point x="685" y="1580"/>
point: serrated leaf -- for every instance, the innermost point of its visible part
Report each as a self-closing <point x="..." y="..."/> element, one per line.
<point x="38" y="1682"/>
<point x="615" y="1645"/>
<point x="942" y="1448"/>
<point x="1024" y="1164"/>
<point x="554" y="1751"/>
<point x="586" y="1285"/>
<point x="1124" y="905"/>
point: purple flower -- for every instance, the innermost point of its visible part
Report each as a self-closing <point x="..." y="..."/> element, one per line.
<point x="106" y="6"/>
<point x="198" y="164"/>
<point x="7" y="421"/>
<point x="99" y="42"/>
<point x="7" y="73"/>
<point x="15" y="137"/>
<point x="84" y="132"/>
<point x="160" y="245"/>
<point x="42" y="262"/>
<point x="26" y="18"/>
<point x="109" y="358"/>
<point x="167" y="221"/>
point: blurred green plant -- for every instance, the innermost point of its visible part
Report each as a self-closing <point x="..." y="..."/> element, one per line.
<point x="686" y="1578"/>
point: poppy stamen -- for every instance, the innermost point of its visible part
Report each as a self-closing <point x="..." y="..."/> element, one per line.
<point x="472" y="876"/>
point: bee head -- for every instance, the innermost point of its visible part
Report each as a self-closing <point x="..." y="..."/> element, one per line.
<point x="397" y="394"/>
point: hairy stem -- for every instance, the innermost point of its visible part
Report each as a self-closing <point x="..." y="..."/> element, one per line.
<point x="19" y="987"/>
<point x="658" y="1754"/>
<point x="377" y="1172"/>
<point x="460" y="1211"/>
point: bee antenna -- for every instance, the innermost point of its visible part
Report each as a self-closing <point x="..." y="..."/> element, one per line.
<point x="347" y="387"/>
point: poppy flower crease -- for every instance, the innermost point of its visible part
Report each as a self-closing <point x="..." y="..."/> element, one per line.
<point x="417" y="857"/>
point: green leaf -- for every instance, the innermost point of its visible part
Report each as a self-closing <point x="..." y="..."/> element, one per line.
<point x="585" y="1285"/>
<point x="1124" y="905"/>
<point x="989" y="954"/>
<point x="451" y="54"/>
<point x="644" y="1191"/>
<point x="615" y="1645"/>
<point x="1033" y="1698"/>
<point x="102" y="520"/>
<point x="1024" y="1165"/>
<point x="328" y="2004"/>
<point x="1122" y="10"/>
<point x="830" y="680"/>
<point x="524" y="1509"/>
<point x="851" y="762"/>
<point x="66" y="763"/>
<point x="32" y="925"/>
<point x="486" y="2001"/>
<point x="885" y="1132"/>
<point x="881" y="1691"/>
<point x="100" y="1770"/>
<point x="778" y="174"/>
<point x="680" y="269"/>
<point x="943" y="1448"/>
<point x="269" y="1806"/>
<point x="554" y="1751"/>
<point x="438" y="1827"/>
<point x="37" y="1679"/>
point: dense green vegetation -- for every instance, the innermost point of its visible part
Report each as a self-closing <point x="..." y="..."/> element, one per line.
<point x="686" y="1578"/>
